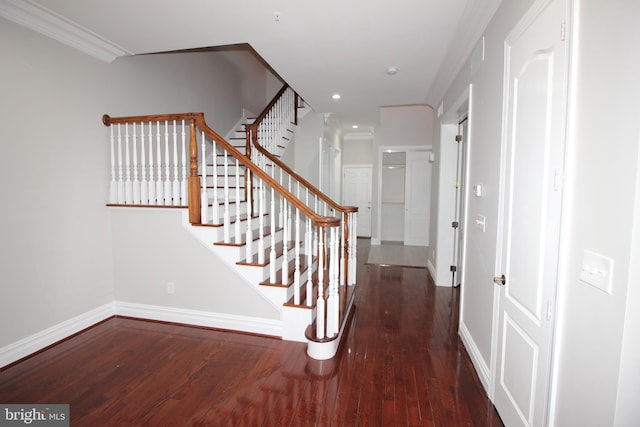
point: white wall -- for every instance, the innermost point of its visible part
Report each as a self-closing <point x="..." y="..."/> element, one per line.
<point x="307" y="157"/>
<point x="602" y="181"/>
<point x="357" y="151"/>
<point x="595" y="367"/>
<point x="145" y="260"/>
<point x="56" y="249"/>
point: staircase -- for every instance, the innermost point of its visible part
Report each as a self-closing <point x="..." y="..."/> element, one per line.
<point x="283" y="236"/>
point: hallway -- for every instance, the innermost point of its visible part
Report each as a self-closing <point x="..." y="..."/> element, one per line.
<point x="401" y="364"/>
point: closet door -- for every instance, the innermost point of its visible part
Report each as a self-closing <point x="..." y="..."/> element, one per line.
<point x="417" y="198"/>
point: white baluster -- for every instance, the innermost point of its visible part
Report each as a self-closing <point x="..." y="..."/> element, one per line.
<point x="272" y="253"/>
<point x="167" y="165"/>
<point x="331" y="297"/>
<point x="261" y="211"/>
<point x="226" y="216"/>
<point x="341" y="232"/>
<point x="296" y="271"/>
<point x="214" y="175"/>
<point x="152" y="182"/>
<point x="136" y="182"/>
<point x="353" y="249"/>
<point x="249" y="232"/>
<point x="308" y="250"/>
<point x="320" y="304"/>
<point x="184" y="194"/>
<point x="335" y="303"/>
<point x="121" y="191"/>
<point x="285" y="249"/>
<point x="144" y="185"/>
<point x="128" y="185"/>
<point x="175" y="189"/>
<point x="281" y="218"/>
<point x="159" y="182"/>
<point x="238" y="236"/>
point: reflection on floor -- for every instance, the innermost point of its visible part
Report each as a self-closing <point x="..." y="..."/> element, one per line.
<point x="392" y="254"/>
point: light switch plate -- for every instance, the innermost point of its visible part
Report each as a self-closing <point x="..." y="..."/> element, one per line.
<point x="597" y="270"/>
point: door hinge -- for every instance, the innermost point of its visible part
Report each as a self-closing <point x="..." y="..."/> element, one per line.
<point x="563" y="30"/>
<point x="548" y="310"/>
<point x="557" y="180"/>
<point x="458" y="138"/>
<point x="455" y="224"/>
<point x="453" y="268"/>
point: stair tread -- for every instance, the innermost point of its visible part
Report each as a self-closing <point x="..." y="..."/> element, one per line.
<point x="279" y="282"/>
<point x="279" y="249"/>
<point x="243" y="240"/>
<point x="232" y="220"/>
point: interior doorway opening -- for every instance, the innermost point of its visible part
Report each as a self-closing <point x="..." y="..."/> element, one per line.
<point x="404" y="194"/>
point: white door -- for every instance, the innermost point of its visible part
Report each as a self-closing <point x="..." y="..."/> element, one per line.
<point x="533" y="155"/>
<point x="357" y="192"/>
<point x="417" y="198"/>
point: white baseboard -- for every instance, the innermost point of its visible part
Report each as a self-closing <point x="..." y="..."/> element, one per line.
<point x="432" y="270"/>
<point x="33" y="343"/>
<point x="42" y="339"/>
<point x="476" y="358"/>
<point x="255" y="325"/>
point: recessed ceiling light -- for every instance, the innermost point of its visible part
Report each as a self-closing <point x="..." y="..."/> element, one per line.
<point x="392" y="70"/>
<point x="354" y="126"/>
<point x="336" y="96"/>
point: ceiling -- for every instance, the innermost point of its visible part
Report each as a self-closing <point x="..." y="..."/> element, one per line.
<point x="319" y="48"/>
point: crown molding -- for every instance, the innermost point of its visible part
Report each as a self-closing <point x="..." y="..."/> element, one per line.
<point x="357" y="136"/>
<point x="44" y="21"/>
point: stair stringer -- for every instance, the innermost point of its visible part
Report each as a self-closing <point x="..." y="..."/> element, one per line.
<point x="294" y="320"/>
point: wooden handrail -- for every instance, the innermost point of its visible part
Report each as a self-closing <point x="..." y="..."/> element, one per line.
<point x="108" y="120"/>
<point x="283" y="166"/>
<point x="320" y="221"/>
<point x="198" y="119"/>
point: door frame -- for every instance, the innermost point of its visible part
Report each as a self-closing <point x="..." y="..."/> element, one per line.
<point x="389" y="149"/>
<point x="462" y="194"/>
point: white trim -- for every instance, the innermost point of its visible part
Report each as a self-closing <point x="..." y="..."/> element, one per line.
<point x="432" y="271"/>
<point x="207" y="319"/>
<point x="33" y="343"/>
<point x="44" y="21"/>
<point x="36" y="342"/>
<point x="476" y="357"/>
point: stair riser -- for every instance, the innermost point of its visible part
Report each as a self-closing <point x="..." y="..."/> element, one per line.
<point x="232" y="182"/>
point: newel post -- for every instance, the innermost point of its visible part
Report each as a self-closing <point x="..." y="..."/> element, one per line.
<point x="194" y="178"/>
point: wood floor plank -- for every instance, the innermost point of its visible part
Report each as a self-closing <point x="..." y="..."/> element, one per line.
<point x="401" y="364"/>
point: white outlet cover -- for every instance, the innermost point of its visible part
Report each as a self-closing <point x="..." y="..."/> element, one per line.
<point x="597" y="270"/>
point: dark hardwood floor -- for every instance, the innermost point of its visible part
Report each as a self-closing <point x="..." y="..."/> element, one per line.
<point x="401" y="364"/>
